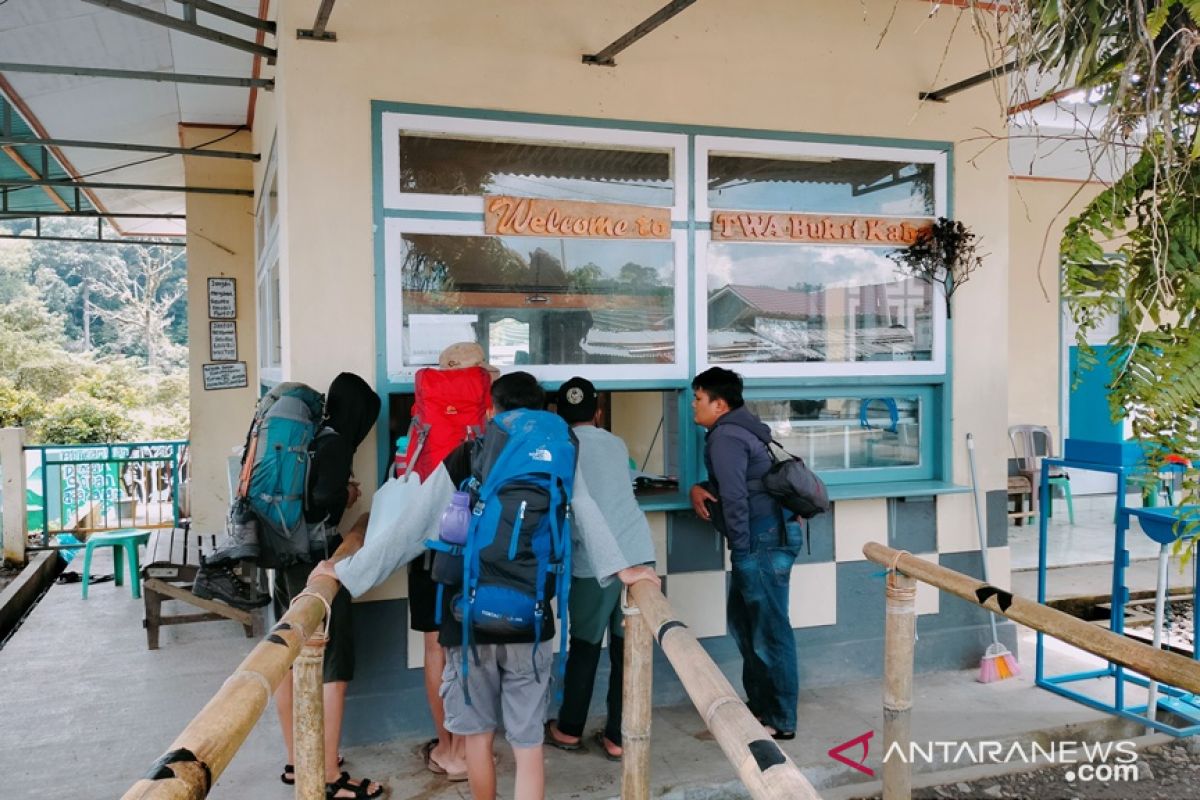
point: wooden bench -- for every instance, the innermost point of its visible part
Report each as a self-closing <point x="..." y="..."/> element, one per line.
<point x="172" y="560"/>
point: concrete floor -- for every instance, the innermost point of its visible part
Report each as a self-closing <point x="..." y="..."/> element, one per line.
<point x="1088" y="541"/>
<point x="87" y="708"/>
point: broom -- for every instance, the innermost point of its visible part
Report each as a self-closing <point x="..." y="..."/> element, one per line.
<point x="997" y="662"/>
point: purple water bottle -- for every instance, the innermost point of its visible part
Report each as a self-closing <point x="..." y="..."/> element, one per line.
<point x="456" y="519"/>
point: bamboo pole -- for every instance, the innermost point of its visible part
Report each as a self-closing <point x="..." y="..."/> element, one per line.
<point x="1163" y="666"/>
<point x="766" y="771"/>
<point x="204" y="749"/>
<point x="636" y="706"/>
<point x="308" y="720"/>
<point x="899" y="636"/>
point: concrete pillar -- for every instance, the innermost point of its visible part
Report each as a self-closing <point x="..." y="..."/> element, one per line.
<point x="220" y="244"/>
<point x="12" y="464"/>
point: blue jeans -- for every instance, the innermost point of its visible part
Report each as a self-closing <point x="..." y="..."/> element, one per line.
<point x="757" y="614"/>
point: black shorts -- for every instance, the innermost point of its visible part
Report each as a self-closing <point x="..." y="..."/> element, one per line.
<point x="339" y="650"/>
<point x="422" y="595"/>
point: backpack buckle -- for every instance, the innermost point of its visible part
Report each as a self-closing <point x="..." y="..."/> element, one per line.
<point x="477" y="510"/>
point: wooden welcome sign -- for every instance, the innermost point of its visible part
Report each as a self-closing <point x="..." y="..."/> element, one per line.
<point x="765" y="226"/>
<point x="526" y="216"/>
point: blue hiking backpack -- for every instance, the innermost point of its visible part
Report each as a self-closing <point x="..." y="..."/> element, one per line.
<point x="517" y="555"/>
<point x="275" y="466"/>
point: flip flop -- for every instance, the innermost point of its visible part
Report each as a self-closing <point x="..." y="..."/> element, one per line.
<point x="426" y="753"/>
<point x="551" y="740"/>
<point x="602" y="742"/>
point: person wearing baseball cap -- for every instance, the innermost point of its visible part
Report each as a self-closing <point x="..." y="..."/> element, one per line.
<point x="603" y="460"/>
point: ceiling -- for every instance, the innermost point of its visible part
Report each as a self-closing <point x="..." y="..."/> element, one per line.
<point x="71" y="32"/>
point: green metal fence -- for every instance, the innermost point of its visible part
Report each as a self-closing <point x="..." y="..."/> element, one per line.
<point x="80" y="489"/>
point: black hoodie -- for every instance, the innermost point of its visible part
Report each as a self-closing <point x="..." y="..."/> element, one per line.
<point x="351" y="408"/>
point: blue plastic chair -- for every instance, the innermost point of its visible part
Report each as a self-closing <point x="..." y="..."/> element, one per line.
<point x="126" y="538"/>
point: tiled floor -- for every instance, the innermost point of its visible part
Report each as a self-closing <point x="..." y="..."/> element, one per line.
<point x="1088" y="541"/>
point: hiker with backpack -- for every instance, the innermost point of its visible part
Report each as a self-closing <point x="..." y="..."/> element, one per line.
<point x="327" y="491"/>
<point x="604" y="462"/>
<point x="526" y="506"/>
<point x="451" y="407"/>
<point x="762" y="547"/>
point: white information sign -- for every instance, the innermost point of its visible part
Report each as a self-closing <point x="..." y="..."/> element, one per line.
<point x="222" y="341"/>
<point x="225" y="376"/>
<point x="222" y="298"/>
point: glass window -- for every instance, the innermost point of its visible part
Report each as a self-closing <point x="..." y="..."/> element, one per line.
<point x="537" y="301"/>
<point x="460" y="166"/>
<point x="820" y="184"/>
<point x="276" y="322"/>
<point x="803" y="303"/>
<point x="846" y="433"/>
<point x="264" y="323"/>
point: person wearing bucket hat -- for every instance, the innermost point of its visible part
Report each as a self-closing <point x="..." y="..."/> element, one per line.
<point x="451" y="403"/>
<point x="604" y="463"/>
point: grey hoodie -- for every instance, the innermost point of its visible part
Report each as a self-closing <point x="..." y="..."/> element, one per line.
<point x="735" y="452"/>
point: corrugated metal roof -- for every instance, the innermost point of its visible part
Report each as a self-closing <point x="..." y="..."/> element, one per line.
<point x="24" y="161"/>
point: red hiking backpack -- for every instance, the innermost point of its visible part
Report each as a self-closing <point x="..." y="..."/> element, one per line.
<point x="451" y="407"/>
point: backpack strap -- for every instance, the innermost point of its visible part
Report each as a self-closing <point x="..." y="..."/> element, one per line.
<point x="564" y="604"/>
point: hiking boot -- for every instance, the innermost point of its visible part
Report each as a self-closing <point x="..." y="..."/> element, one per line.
<point x="241" y="542"/>
<point x="221" y="583"/>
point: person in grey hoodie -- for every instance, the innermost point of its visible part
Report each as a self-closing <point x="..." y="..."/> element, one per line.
<point x="762" y="548"/>
<point x="604" y="461"/>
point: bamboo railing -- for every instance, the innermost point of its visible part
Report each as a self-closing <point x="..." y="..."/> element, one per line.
<point x="763" y="767"/>
<point x="905" y="569"/>
<point x="204" y="749"/>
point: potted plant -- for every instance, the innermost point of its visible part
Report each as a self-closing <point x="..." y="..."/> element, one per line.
<point x="944" y="254"/>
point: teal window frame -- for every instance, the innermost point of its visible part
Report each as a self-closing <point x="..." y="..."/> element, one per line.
<point x="933" y="474"/>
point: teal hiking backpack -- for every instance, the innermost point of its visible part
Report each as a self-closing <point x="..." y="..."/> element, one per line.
<point x="517" y="555"/>
<point x="275" y="467"/>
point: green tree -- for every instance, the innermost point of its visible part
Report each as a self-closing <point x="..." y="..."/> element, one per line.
<point x="1139" y="59"/>
<point x="82" y="419"/>
<point x="143" y="302"/>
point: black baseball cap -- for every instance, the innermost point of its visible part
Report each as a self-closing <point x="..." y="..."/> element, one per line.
<point x="577" y="400"/>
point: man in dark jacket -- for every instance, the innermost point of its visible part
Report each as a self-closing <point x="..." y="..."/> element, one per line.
<point x="351" y="408"/>
<point x="762" y="548"/>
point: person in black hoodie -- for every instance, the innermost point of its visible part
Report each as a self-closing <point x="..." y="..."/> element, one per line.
<point x="351" y="408"/>
<point x="762" y="549"/>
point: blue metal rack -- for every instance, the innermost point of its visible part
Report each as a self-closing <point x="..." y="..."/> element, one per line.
<point x="1160" y="525"/>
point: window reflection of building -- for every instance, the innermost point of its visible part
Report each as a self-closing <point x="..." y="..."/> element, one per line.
<point x="755" y="323"/>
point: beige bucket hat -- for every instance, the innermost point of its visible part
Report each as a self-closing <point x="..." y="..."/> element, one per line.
<point x="465" y="354"/>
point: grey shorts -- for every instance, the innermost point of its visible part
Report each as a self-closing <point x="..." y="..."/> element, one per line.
<point x="503" y="690"/>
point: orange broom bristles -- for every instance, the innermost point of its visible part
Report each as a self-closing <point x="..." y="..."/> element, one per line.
<point x="997" y="664"/>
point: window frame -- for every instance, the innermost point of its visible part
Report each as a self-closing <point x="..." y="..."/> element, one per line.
<point x="494" y="130"/>
<point x="731" y="145"/>
<point x="266" y="266"/>
<point x="691" y="215"/>
<point x="400" y="374"/>
<point x="928" y="465"/>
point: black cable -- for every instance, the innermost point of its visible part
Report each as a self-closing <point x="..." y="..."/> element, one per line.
<point x="653" y="439"/>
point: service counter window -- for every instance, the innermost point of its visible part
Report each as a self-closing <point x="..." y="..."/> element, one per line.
<point x="647" y="421"/>
<point x="849" y="439"/>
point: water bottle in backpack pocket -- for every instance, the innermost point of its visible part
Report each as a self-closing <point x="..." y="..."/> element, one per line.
<point x="447" y="568"/>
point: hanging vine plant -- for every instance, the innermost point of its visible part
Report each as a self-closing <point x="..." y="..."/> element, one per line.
<point x="944" y="255"/>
